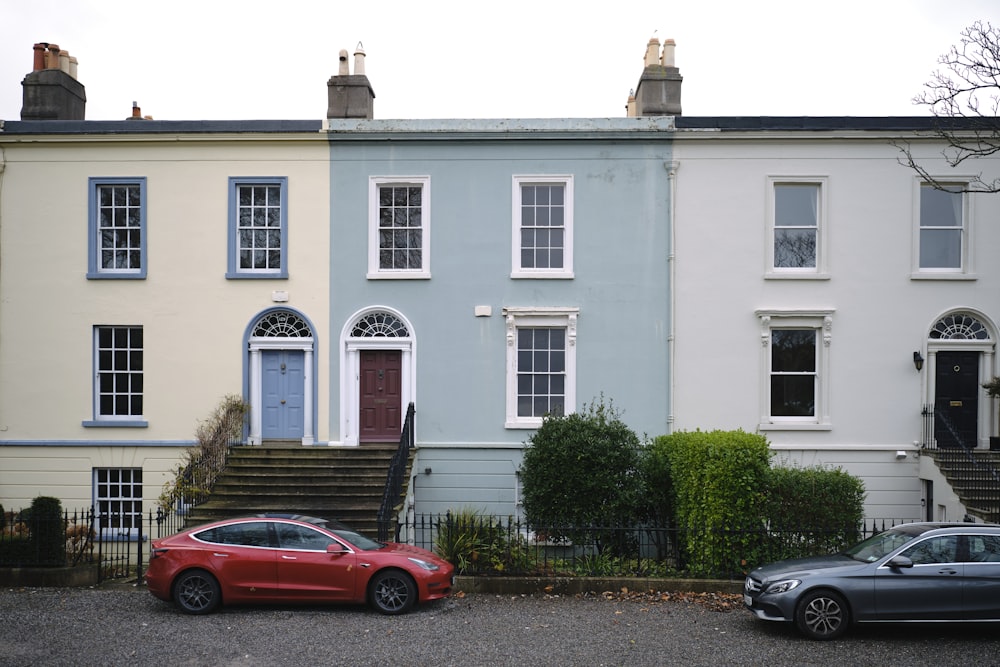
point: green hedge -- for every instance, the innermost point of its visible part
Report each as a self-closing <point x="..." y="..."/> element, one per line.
<point x="719" y="480"/>
<point x="827" y="501"/>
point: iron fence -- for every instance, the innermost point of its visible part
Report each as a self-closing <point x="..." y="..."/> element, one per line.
<point x="84" y="537"/>
<point x="493" y="545"/>
<point x="477" y="544"/>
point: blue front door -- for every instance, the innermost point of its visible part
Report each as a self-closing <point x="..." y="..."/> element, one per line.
<point x="282" y="394"/>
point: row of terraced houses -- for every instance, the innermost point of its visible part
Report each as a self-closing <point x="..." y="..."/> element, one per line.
<point x="782" y="275"/>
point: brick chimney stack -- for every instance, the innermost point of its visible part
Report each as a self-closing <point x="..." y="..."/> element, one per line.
<point x="51" y="91"/>
<point x="350" y="95"/>
<point x="659" y="89"/>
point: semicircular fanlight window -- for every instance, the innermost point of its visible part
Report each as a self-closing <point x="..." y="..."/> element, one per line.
<point x="379" y="325"/>
<point x="959" y="326"/>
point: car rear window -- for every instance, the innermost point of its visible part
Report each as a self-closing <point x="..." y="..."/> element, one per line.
<point x="251" y="534"/>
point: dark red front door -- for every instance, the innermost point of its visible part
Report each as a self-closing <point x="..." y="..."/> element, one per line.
<point x="381" y="398"/>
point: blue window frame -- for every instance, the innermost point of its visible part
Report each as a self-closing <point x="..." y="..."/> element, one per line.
<point x="258" y="228"/>
<point x="116" y="224"/>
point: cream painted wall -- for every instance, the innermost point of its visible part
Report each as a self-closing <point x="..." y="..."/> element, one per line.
<point x="66" y="473"/>
<point x="193" y="318"/>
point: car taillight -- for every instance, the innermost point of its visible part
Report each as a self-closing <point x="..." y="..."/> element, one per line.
<point x="156" y="553"/>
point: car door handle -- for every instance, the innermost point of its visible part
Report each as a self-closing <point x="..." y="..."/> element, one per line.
<point x="948" y="570"/>
<point x="220" y="555"/>
<point x="289" y="557"/>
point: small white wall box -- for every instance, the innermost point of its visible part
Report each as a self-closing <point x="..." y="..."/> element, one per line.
<point x="900" y="454"/>
<point x="279" y="296"/>
<point x="484" y="311"/>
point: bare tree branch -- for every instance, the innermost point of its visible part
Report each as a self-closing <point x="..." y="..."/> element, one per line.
<point x="965" y="99"/>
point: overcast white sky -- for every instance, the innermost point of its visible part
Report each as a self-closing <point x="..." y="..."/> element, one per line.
<point x="257" y="59"/>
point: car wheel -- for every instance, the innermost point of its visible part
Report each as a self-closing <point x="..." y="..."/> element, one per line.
<point x="197" y="592"/>
<point x="392" y="592"/>
<point x="822" y="615"/>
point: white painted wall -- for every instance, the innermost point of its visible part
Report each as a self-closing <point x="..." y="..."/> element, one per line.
<point x="880" y="315"/>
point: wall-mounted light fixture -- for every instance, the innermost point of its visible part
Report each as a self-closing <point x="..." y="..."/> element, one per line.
<point x="918" y="361"/>
<point x="900" y="454"/>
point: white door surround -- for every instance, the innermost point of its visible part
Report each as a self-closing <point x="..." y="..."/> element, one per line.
<point x="372" y="328"/>
<point x="280" y="329"/>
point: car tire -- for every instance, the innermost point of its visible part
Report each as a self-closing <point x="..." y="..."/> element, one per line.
<point x="822" y="615"/>
<point x="197" y="592"/>
<point x="392" y="592"/>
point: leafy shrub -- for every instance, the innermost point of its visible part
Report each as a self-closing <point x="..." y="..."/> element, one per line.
<point x="473" y="543"/>
<point x="827" y="502"/>
<point x="204" y="462"/>
<point x="458" y="539"/>
<point x="581" y="469"/>
<point x="719" y="480"/>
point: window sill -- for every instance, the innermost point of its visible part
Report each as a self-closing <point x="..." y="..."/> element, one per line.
<point x="124" y="423"/>
<point x="774" y="275"/>
<point x="534" y="425"/>
<point x="793" y="426"/>
<point x="117" y="276"/>
<point x="537" y="275"/>
<point x="927" y="275"/>
<point x="256" y="276"/>
<point x="399" y="275"/>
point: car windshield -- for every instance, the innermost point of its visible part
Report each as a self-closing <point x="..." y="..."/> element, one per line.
<point x="877" y="546"/>
<point x="357" y="539"/>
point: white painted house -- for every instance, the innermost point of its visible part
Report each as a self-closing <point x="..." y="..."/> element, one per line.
<point x="811" y="271"/>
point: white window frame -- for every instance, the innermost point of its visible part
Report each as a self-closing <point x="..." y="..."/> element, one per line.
<point x="535" y="317"/>
<point x="125" y="494"/>
<point x="374" y="270"/>
<point x="821" y="320"/>
<point x="820" y="271"/>
<point x="966" y="270"/>
<point x="566" y="270"/>
<point x="102" y="420"/>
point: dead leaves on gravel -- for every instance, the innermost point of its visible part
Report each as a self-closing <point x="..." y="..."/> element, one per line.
<point x="721" y="602"/>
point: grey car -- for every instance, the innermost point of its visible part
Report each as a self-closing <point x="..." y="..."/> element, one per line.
<point x="926" y="572"/>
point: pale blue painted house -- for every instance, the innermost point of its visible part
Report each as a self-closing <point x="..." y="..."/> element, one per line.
<point x="491" y="272"/>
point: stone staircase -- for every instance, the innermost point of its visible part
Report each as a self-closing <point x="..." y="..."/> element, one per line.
<point x="340" y="483"/>
<point x="974" y="476"/>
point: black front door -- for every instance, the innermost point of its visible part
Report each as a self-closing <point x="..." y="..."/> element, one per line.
<point x="956" y="399"/>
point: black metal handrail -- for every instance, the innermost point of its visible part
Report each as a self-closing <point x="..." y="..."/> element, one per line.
<point x="973" y="471"/>
<point x="394" y="478"/>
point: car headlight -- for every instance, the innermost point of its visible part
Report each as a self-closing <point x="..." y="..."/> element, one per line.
<point x="783" y="586"/>
<point x="424" y="564"/>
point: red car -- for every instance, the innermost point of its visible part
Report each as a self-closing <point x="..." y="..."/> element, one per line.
<point x="291" y="558"/>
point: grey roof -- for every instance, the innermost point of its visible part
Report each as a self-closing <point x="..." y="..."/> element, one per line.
<point x="360" y="128"/>
<point x="157" y="126"/>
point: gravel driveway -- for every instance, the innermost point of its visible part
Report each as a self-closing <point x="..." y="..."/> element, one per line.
<point x="125" y="625"/>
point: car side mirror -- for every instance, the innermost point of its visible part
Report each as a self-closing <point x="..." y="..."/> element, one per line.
<point x="336" y="548"/>
<point x="898" y="562"/>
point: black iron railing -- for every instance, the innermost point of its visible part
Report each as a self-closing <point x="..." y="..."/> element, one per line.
<point x="395" y="478"/>
<point x="478" y="544"/>
<point x="487" y="545"/>
<point x="117" y="543"/>
<point x="972" y="472"/>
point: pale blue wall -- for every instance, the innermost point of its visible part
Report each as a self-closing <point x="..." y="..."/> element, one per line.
<point x="621" y="245"/>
